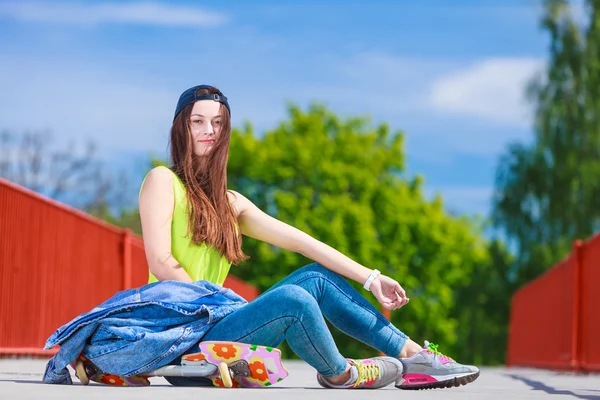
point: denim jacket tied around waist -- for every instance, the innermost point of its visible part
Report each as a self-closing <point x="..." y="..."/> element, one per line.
<point x="138" y="330"/>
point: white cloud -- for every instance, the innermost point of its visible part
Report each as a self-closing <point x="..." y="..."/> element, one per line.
<point x="492" y="89"/>
<point x="148" y="13"/>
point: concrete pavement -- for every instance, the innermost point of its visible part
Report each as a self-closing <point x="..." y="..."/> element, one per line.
<point x="21" y="379"/>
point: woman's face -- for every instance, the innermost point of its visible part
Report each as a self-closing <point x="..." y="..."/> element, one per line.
<point x="205" y="125"/>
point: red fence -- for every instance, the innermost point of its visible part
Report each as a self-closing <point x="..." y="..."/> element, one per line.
<point x="57" y="262"/>
<point x="588" y="350"/>
<point x="555" y="320"/>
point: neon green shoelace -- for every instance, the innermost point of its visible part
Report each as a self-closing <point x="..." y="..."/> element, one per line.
<point x="434" y="349"/>
<point x="366" y="372"/>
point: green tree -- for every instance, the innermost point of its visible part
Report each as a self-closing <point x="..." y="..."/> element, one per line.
<point x="547" y="192"/>
<point x="343" y="182"/>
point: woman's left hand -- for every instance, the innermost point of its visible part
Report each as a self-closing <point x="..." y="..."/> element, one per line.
<point x="388" y="292"/>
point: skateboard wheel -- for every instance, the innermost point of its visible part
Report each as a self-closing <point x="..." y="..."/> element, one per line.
<point x="225" y="376"/>
<point x="81" y="374"/>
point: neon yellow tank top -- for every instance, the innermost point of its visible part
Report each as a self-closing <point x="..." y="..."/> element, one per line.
<point x="200" y="262"/>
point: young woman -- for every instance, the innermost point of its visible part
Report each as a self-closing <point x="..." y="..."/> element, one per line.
<point x="193" y="226"/>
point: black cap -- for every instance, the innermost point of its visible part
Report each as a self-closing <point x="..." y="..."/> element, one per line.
<point x="190" y="97"/>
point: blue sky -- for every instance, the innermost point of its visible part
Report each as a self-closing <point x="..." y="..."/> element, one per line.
<point x="450" y="76"/>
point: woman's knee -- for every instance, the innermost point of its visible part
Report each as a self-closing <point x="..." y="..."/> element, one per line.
<point x="294" y="298"/>
<point x="324" y="276"/>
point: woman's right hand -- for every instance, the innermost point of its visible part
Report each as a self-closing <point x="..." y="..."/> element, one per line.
<point x="389" y="293"/>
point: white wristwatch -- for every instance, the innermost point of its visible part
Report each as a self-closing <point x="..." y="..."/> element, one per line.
<point x="372" y="277"/>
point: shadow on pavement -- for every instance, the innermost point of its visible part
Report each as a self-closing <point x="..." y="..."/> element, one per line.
<point x="21" y="381"/>
<point x="537" y="385"/>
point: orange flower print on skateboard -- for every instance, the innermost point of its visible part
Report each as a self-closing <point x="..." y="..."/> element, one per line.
<point x="258" y="371"/>
<point x="196" y="357"/>
<point x="224" y="351"/>
<point x="218" y="382"/>
<point x="112" y="380"/>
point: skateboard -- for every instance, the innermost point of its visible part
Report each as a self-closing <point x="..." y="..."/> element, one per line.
<point x="226" y="364"/>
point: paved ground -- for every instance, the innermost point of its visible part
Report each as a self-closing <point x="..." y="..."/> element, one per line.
<point x="21" y="379"/>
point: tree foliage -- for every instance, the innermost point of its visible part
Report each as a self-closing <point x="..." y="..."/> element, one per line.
<point x="547" y="192"/>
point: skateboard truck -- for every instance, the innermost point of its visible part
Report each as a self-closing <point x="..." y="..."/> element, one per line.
<point x="240" y="368"/>
<point x="236" y="368"/>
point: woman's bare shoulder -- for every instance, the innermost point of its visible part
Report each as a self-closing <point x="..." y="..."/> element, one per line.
<point x="158" y="178"/>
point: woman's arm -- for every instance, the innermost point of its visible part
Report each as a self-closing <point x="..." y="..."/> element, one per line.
<point x="156" y="213"/>
<point x="259" y="225"/>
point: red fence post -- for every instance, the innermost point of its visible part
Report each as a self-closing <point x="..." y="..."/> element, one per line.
<point x="576" y="321"/>
<point x="127" y="274"/>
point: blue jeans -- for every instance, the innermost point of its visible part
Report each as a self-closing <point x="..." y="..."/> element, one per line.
<point x="293" y="310"/>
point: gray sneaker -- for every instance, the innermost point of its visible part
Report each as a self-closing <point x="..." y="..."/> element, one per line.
<point x="370" y="373"/>
<point x="430" y="369"/>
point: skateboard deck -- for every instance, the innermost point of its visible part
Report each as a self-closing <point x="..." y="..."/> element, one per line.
<point x="226" y="364"/>
<point x="251" y="365"/>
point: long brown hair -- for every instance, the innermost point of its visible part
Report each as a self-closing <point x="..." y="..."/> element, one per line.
<point x="211" y="217"/>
